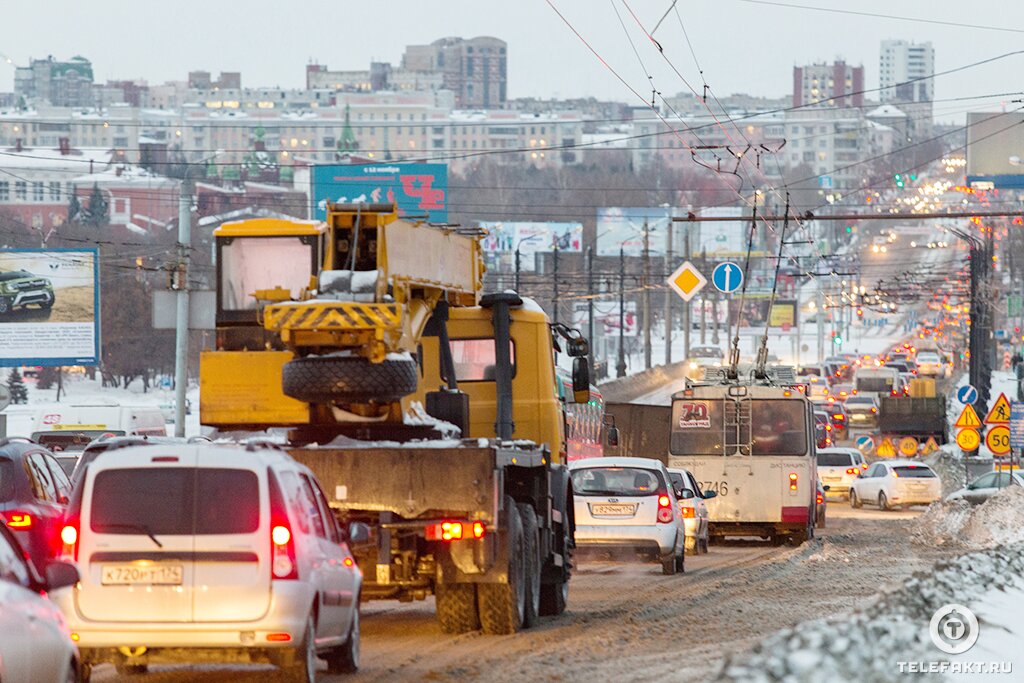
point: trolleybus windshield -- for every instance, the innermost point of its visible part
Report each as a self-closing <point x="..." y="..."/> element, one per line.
<point x="776" y="427"/>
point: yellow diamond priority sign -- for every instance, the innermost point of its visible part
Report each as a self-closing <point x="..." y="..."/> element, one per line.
<point x="687" y="281"/>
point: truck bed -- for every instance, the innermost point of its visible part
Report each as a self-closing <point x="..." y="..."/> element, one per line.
<point x="910" y="416"/>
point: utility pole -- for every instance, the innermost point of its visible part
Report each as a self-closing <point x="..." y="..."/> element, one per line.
<point x="620" y="367"/>
<point x="820" y="317"/>
<point x="647" y="296"/>
<point x="590" y="304"/>
<point x="554" y="297"/>
<point x="182" y="322"/>
<point x="704" y="301"/>
<point x="518" y="291"/>
<point x="668" y="294"/>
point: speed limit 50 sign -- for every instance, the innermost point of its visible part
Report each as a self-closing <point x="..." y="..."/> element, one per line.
<point x="998" y="440"/>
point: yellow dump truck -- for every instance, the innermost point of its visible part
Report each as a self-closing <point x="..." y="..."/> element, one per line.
<point x="427" y="410"/>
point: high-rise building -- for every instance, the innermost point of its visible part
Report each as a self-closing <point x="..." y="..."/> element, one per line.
<point x="828" y="85"/>
<point x="63" y="84"/>
<point x="905" y="71"/>
<point x="475" y="69"/>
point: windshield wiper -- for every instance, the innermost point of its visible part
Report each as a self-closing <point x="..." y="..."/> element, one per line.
<point x="136" y="527"/>
<point x="605" y="492"/>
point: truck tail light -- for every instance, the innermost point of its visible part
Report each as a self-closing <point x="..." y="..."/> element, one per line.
<point x="664" y="509"/>
<point x="283" y="564"/>
<point x="454" y="530"/>
<point x="793" y="481"/>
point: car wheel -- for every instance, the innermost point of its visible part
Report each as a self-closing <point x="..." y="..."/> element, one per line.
<point x="883" y="501"/>
<point x="74" y="675"/>
<point x="85" y="673"/>
<point x="303" y="666"/>
<point x="531" y="545"/>
<point x="344" y="659"/>
<point x="855" y="501"/>
<point x="670" y="564"/>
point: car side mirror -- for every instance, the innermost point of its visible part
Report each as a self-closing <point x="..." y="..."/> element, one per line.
<point x="685" y="494"/>
<point x="825" y="487"/>
<point x="358" y="532"/>
<point x="61" y="575"/>
<point x="710" y="494"/>
<point x="580" y="380"/>
<point x="611" y="436"/>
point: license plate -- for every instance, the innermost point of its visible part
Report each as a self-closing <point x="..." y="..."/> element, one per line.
<point x="153" y="575"/>
<point x="829" y="479"/>
<point x="612" y="509"/>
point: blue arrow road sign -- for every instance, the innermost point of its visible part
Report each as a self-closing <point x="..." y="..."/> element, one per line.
<point x="727" y="277"/>
<point x="967" y="394"/>
<point x="865" y="444"/>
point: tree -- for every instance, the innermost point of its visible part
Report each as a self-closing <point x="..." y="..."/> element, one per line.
<point x="97" y="212"/>
<point x="16" y="387"/>
<point x="74" y="206"/>
<point x="47" y="378"/>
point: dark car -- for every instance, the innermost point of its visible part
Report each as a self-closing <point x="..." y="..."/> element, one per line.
<point x="840" y="421"/>
<point x="34" y="494"/>
<point x="822" y="429"/>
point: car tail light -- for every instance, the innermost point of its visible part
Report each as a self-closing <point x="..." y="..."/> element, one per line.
<point x="69" y="539"/>
<point x="279" y="637"/>
<point x="283" y="564"/>
<point x="839" y="416"/>
<point x="874" y="410"/>
<point x="863" y="465"/>
<point x="18" y="520"/>
<point x="819" y="499"/>
<point x="828" y="428"/>
<point x="792" y="481"/>
<point x="664" y="509"/>
<point x="688" y="513"/>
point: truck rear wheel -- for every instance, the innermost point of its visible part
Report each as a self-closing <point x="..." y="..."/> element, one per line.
<point x="348" y="379"/>
<point x="533" y="565"/>
<point x="455" y="605"/>
<point x="502" y="605"/>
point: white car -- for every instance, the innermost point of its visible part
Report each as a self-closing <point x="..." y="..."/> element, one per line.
<point x="929" y="364"/>
<point x="986" y="486"/>
<point x="896" y="483"/>
<point x="209" y="553"/>
<point x="629" y="504"/>
<point x="838" y="468"/>
<point x="35" y="643"/>
<point x="694" y="510"/>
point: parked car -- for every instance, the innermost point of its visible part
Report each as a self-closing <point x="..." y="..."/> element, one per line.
<point x="35" y="642"/>
<point x="694" y="511"/>
<point x="838" y="468"/>
<point x="862" y="411"/>
<point x="629" y="504"/>
<point x="34" y="495"/>
<point x="986" y="486"/>
<point x="210" y="553"/>
<point x="896" y="483"/>
<point x="822" y="429"/>
<point x="820" y="505"/>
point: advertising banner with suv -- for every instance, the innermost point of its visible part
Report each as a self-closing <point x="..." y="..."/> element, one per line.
<point x="49" y="307"/>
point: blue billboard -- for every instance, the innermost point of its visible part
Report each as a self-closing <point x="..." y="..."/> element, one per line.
<point x="420" y="190"/>
<point x="49" y="307"/>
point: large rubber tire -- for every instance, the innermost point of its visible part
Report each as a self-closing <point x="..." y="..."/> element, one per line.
<point x="85" y="673"/>
<point x="456" y="608"/>
<point x="855" y="501"/>
<point x="554" y="597"/>
<point x="348" y="379"/>
<point x="344" y="659"/>
<point x="531" y="542"/>
<point x="502" y="605"/>
<point x="303" y="666"/>
<point x="883" y="501"/>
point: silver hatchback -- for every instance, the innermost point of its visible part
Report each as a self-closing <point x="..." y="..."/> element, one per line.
<point x="629" y="504"/>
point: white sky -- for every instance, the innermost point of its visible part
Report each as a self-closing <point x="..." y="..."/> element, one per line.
<point x="741" y="46"/>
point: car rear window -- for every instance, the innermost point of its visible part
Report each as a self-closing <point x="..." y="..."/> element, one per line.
<point x="8" y="484"/>
<point x="175" y="501"/>
<point x="617" y="481"/>
<point x="834" y="459"/>
<point x="910" y="472"/>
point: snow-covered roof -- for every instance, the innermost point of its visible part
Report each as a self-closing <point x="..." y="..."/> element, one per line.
<point x="129" y="175"/>
<point x="885" y="111"/>
<point x="42" y="158"/>
<point x="246" y="212"/>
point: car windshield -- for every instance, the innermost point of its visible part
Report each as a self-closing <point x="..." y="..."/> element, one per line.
<point x="914" y="472"/>
<point x="72" y="441"/>
<point x="705" y="352"/>
<point x="834" y="459"/>
<point x="927" y="358"/>
<point x="859" y="402"/>
<point x="617" y="481"/>
<point x="8" y="472"/>
<point x="175" y="501"/>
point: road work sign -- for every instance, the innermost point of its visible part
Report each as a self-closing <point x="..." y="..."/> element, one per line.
<point x="1000" y="413"/>
<point x="968" y="419"/>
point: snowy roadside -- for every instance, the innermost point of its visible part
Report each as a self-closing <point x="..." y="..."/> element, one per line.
<point x="893" y="627"/>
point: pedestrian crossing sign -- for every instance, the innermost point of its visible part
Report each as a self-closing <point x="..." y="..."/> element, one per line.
<point x="968" y="418"/>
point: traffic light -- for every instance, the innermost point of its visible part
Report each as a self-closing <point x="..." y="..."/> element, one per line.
<point x="849" y="229"/>
<point x="899" y="179"/>
<point x="860" y="312"/>
<point x="837" y="339"/>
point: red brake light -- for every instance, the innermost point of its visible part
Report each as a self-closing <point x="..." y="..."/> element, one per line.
<point x="818" y="498"/>
<point x="874" y="410"/>
<point x="69" y="539"/>
<point x="283" y="564"/>
<point x="663" y="501"/>
<point x="452" y="530"/>
<point x="852" y="470"/>
<point x="19" y="520"/>
<point x="664" y="509"/>
<point x="279" y="637"/>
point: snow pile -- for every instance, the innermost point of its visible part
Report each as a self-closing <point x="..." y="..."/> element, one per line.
<point x="997" y="521"/>
<point x="893" y="628"/>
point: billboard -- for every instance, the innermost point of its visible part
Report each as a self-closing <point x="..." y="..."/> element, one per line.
<point x="995" y="149"/>
<point x="623" y="228"/>
<point x="49" y="307"/>
<point x="606" y="318"/>
<point x="531" y="238"/>
<point x="420" y="190"/>
<point x="722" y="239"/>
<point x="780" y="316"/>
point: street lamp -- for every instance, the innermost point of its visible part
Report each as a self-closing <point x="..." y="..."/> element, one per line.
<point x="518" y="244"/>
